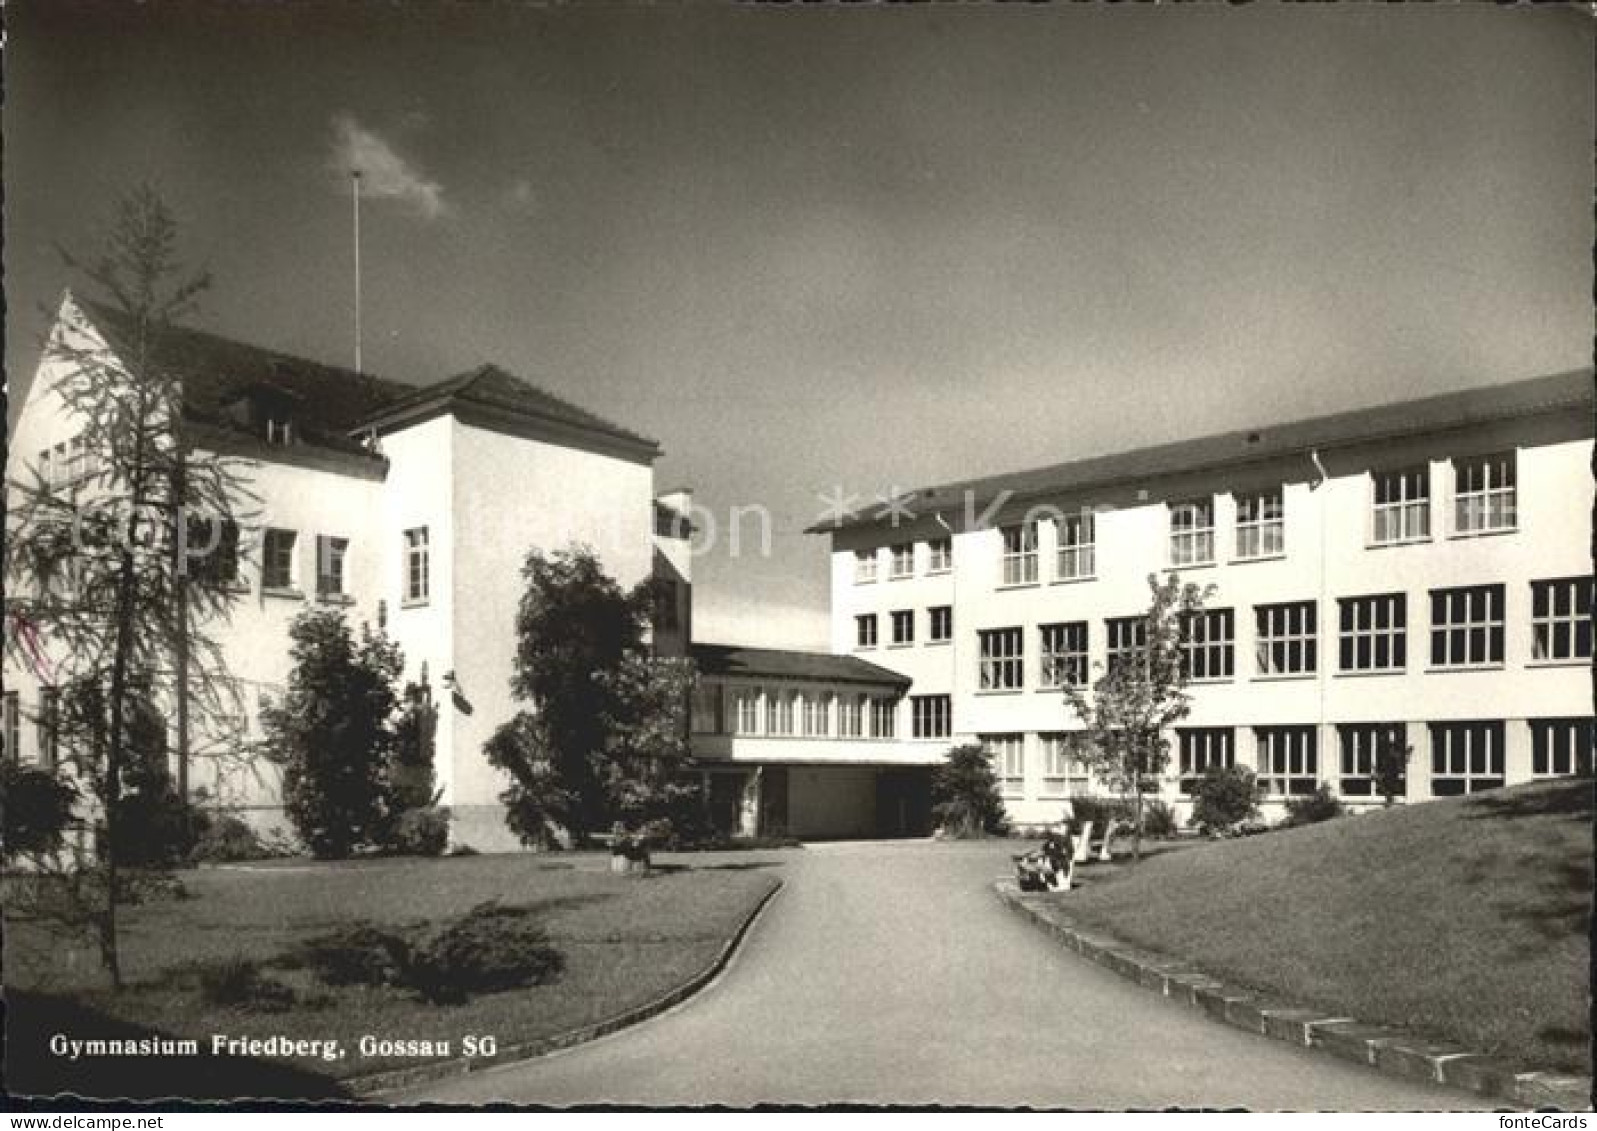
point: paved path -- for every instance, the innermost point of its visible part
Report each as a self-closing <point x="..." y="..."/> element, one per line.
<point x="891" y="973"/>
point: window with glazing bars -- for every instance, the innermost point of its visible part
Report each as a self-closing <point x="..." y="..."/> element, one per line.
<point x="1484" y="493"/>
<point x="1402" y="505"/>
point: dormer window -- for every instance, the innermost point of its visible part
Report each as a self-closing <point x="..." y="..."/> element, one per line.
<point x="279" y="431"/>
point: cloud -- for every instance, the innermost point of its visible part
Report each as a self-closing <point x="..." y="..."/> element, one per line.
<point x="384" y="174"/>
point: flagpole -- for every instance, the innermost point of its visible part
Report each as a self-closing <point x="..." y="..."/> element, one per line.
<point x="354" y="183"/>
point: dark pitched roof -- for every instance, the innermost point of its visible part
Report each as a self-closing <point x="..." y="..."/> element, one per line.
<point x="491" y="387"/>
<point x="332" y="401"/>
<point x="1533" y="397"/>
<point x="780" y="663"/>
<point x="217" y="371"/>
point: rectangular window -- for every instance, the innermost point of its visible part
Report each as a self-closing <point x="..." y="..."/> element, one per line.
<point x="940" y="623"/>
<point x="49" y="727"/>
<point x="779" y="712"/>
<point x="707" y="709"/>
<point x="1208" y="641"/>
<point x="1261" y="525"/>
<point x="277" y="560"/>
<point x="931" y="716"/>
<point x="1192" y="532"/>
<point x="746" y="705"/>
<point x="1373" y="633"/>
<point x="1020" y="553"/>
<point x="903" y="560"/>
<point x="903" y="626"/>
<point x="1076" y="558"/>
<point x="1467" y="627"/>
<point x="865" y="630"/>
<point x="939" y="555"/>
<point x="13" y="726"/>
<point x="1560" y="747"/>
<point x="211" y="555"/>
<point x="818" y="714"/>
<point x="1561" y="619"/>
<point x="1286" y="640"/>
<point x="850" y="716"/>
<point x="1127" y="640"/>
<point x="1484" y="494"/>
<point x="1002" y="665"/>
<point x="1466" y="757"/>
<point x="1063" y="654"/>
<point x="279" y="431"/>
<point x="1361" y="744"/>
<point x="1008" y="753"/>
<point x="1402" y="506"/>
<point x="418" y="567"/>
<point x="1288" y="759"/>
<point x="330" y="554"/>
<point x="46" y="470"/>
<point x="864" y="566"/>
<point x="1201" y="748"/>
<point x="884" y="716"/>
<point x="1064" y="771"/>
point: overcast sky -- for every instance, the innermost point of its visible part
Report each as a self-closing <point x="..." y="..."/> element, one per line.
<point x="857" y="247"/>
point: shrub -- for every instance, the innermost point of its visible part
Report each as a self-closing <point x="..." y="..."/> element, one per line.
<point x="1226" y="796"/>
<point x="1321" y="805"/>
<point x="357" y="955"/>
<point x="36" y="807"/>
<point x="226" y="839"/>
<point x="1158" y="818"/>
<point x="965" y="797"/>
<point x="420" y="832"/>
<point x="238" y="981"/>
<point x="490" y="948"/>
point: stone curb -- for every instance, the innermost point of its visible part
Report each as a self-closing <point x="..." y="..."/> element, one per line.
<point x="1386" y="1050"/>
<point x="377" y="1083"/>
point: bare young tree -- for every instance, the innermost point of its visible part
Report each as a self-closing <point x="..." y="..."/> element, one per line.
<point x="1128" y="713"/>
<point x="112" y="561"/>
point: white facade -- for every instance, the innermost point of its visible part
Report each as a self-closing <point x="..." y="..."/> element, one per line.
<point x="436" y="523"/>
<point x="1500" y="701"/>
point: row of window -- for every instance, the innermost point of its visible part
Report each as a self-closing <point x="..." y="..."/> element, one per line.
<point x="1468" y="628"/>
<point x="939" y="626"/>
<point x="214" y="554"/>
<point x="1465" y="757"/>
<point x="785" y="712"/>
<point x="67" y="463"/>
<point x="1484" y="501"/>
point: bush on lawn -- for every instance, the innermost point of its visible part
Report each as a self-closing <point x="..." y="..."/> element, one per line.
<point x="965" y="797"/>
<point x="36" y="807"/>
<point x="1159" y="819"/>
<point x="239" y="981"/>
<point x="357" y="955"/>
<point x="226" y="839"/>
<point x="490" y="948"/>
<point x="1321" y="805"/>
<point x="420" y="832"/>
<point x="1226" y="797"/>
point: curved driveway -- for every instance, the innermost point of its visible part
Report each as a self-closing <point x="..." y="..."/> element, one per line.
<point x="890" y="973"/>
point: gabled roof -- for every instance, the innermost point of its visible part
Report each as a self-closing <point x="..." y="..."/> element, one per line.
<point x="217" y="371"/>
<point x="333" y="402"/>
<point x="735" y="661"/>
<point x="1562" y="392"/>
<point x="490" y="387"/>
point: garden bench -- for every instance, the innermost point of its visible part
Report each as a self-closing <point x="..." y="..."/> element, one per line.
<point x="1083" y="844"/>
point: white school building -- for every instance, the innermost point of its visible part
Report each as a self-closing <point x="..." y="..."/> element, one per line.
<point x="407" y="507"/>
<point x="1422" y="568"/>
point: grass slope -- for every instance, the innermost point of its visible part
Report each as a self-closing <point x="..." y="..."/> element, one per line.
<point x="626" y="941"/>
<point x="1466" y="918"/>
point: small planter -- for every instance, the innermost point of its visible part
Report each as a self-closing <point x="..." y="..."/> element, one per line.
<point x="628" y="853"/>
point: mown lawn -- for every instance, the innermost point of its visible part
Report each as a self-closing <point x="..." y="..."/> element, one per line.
<point x="1466" y="918"/>
<point x="626" y="940"/>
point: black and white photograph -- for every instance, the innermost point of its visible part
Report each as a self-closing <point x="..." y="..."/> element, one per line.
<point x="901" y="556"/>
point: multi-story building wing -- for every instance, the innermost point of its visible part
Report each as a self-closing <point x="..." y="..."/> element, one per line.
<point x="1421" y="568"/>
<point x="407" y="508"/>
